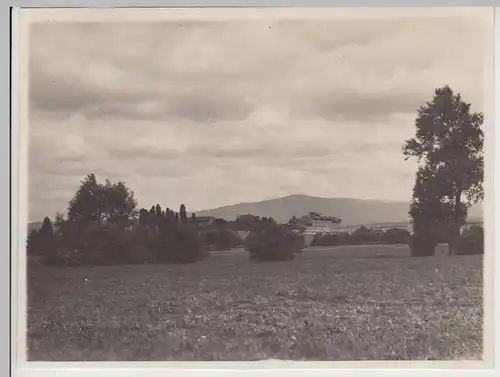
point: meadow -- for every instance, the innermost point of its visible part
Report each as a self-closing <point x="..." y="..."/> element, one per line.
<point x="338" y="303"/>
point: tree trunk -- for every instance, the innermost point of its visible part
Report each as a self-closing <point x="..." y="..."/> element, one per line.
<point x="455" y="228"/>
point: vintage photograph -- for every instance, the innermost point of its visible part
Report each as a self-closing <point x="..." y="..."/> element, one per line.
<point x="255" y="184"/>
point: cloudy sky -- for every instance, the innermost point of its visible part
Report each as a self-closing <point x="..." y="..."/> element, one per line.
<point x="216" y="113"/>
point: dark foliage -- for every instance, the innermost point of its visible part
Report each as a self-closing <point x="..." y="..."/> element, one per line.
<point x="366" y="236"/>
<point x="423" y="243"/>
<point x="326" y="239"/>
<point x="246" y="222"/>
<point x="32" y="243"/>
<point x="270" y="241"/>
<point x="396" y="236"/>
<point x="101" y="228"/>
<point x="363" y="236"/>
<point x="471" y="241"/>
<point x="95" y="203"/>
<point x="183" y="215"/>
<point x="180" y="244"/>
<point x="221" y="224"/>
<point x="41" y="243"/>
<point x="221" y="239"/>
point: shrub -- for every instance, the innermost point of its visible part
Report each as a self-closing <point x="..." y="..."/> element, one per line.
<point x="345" y="238"/>
<point x="222" y="239"/>
<point x="325" y="240"/>
<point x="273" y="243"/>
<point x="179" y="245"/>
<point x="396" y="236"/>
<point x="471" y="241"/>
<point x="100" y="244"/>
<point x="365" y="236"/>
<point x="137" y="245"/>
<point x="423" y="243"/>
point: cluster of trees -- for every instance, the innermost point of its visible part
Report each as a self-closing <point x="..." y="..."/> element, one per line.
<point x="448" y="146"/>
<point x="363" y="236"/>
<point x="103" y="226"/>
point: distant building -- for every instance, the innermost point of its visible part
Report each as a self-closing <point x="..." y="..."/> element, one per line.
<point x="317" y="223"/>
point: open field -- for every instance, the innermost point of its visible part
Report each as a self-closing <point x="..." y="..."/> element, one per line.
<point x="343" y="303"/>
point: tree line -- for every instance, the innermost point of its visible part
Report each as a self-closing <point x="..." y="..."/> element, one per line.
<point x="102" y="224"/>
<point x="363" y="236"/>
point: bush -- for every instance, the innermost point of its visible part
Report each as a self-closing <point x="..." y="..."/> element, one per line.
<point x="94" y="244"/>
<point x="179" y="245"/>
<point x="325" y="240"/>
<point x="100" y="244"/>
<point x="423" y="243"/>
<point x="365" y="236"/>
<point x="273" y="243"/>
<point x="137" y="244"/>
<point x="396" y="236"/>
<point x="222" y="239"/>
<point x="471" y="241"/>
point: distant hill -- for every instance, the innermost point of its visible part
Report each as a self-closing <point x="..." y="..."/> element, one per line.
<point x="350" y="211"/>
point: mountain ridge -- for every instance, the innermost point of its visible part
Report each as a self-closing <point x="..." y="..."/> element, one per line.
<point x="349" y="210"/>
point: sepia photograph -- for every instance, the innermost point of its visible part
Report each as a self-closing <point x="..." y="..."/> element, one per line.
<point x="255" y="184"/>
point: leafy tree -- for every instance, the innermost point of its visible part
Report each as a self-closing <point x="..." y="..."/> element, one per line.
<point x="246" y="222"/>
<point x="87" y="205"/>
<point x="97" y="216"/>
<point x="448" y="144"/>
<point x="119" y="204"/>
<point x="95" y="203"/>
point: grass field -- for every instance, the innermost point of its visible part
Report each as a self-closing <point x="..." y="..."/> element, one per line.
<point x="344" y="303"/>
